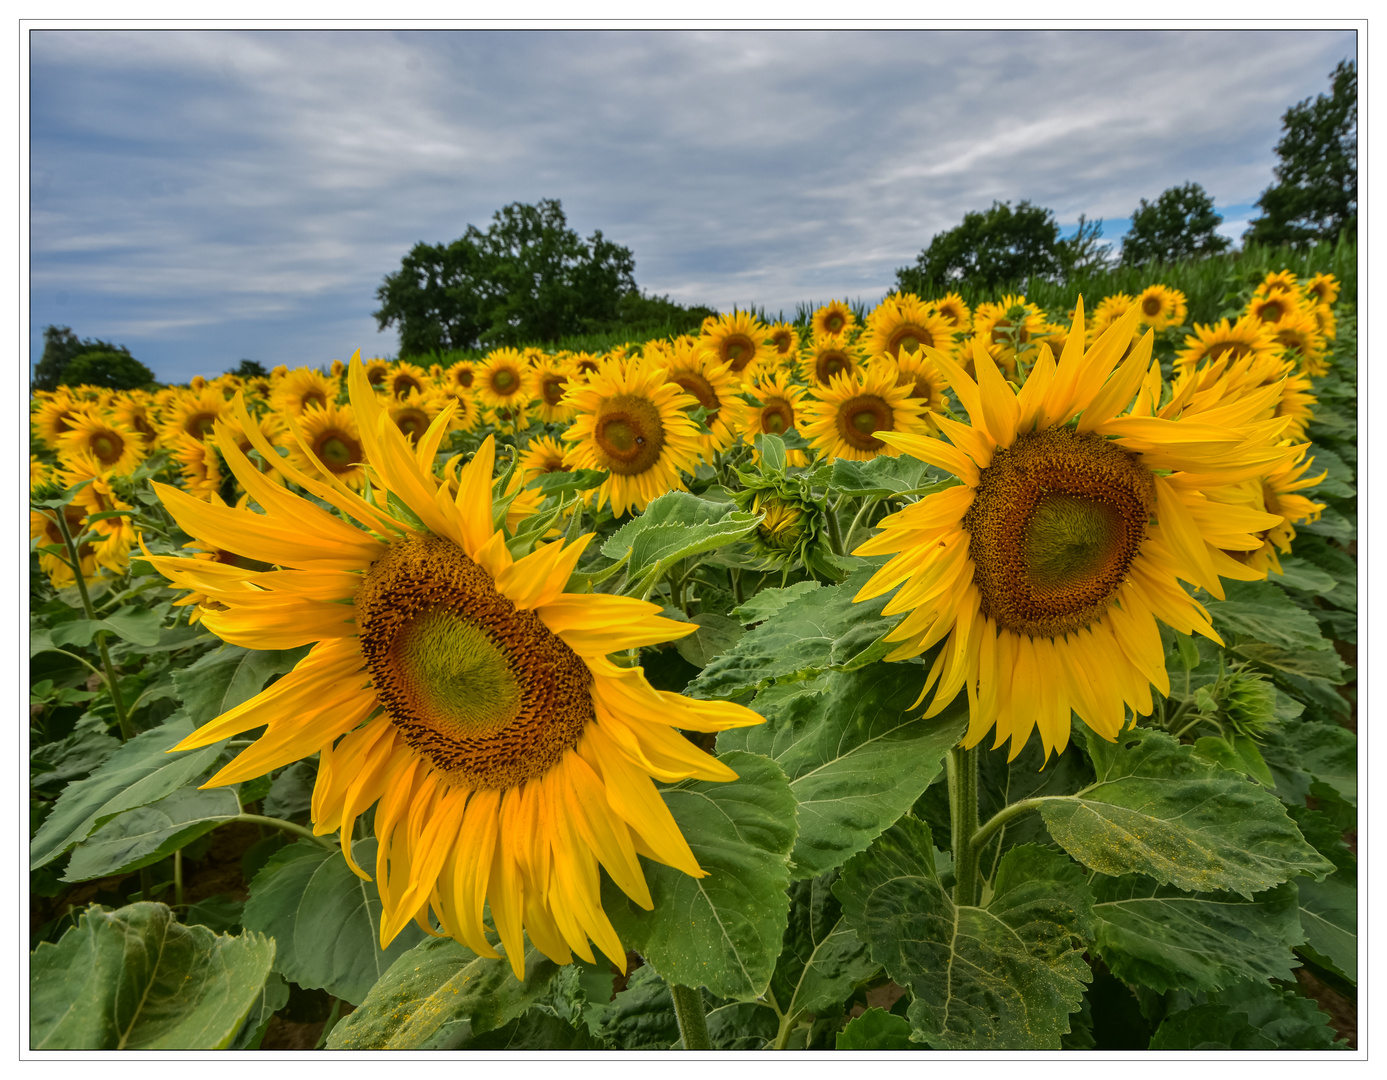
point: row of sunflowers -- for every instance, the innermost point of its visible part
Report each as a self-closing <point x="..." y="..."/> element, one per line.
<point x="510" y="595"/>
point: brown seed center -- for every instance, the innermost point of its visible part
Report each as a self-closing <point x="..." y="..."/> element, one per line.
<point x="629" y="435"/>
<point x="859" y="417"/>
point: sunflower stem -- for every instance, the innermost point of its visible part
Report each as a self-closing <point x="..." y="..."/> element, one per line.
<point x="867" y="503"/>
<point x="962" y="770"/>
<point x="178" y="878"/>
<point x="688" y="1010"/>
<point x="835" y="534"/>
<point x="126" y="731"/>
<point x="1002" y="817"/>
<point x="287" y="826"/>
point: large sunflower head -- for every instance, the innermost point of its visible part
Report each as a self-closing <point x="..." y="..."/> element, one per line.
<point x="953" y="308"/>
<point x="713" y="387"/>
<point x="1161" y="306"/>
<point x="549" y="381"/>
<point x="829" y="356"/>
<point x="503" y="380"/>
<point x="739" y="340"/>
<point x="301" y="389"/>
<point x="834" y="319"/>
<point x="1079" y="513"/>
<point x="848" y="418"/>
<point x="115" y="447"/>
<point x="632" y="424"/>
<point x="456" y="688"/>
<point x="329" y="440"/>
<point x="902" y="323"/>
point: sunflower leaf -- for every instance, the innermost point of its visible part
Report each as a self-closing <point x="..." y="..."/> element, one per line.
<point x="139" y="626"/>
<point x="858" y="754"/>
<point x="823" y="960"/>
<point x="882" y="476"/>
<point x="1166" y="939"/>
<point x="877" y="1029"/>
<point x="676" y="526"/>
<point x="824" y="629"/>
<point x="561" y="483"/>
<point x="722" y="931"/>
<point x="437" y="996"/>
<point x="1248" y="1015"/>
<point x="146" y="834"/>
<point x="139" y="773"/>
<point x="1299" y="754"/>
<point x="1159" y="809"/>
<point x="135" y="979"/>
<point x="1003" y="976"/>
<point x="325" y="919"/>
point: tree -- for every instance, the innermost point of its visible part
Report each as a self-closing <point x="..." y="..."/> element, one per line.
<point x="61" y="347"/>
<point x="1316" y="193"/>
<point x="999" y="246"/>
<point x="113" y="370"/>
<point x="1083" y="253"/>
<point x="249" y="369"/>
<point x="1180" y="224"/>
<point x="527" y="279"/>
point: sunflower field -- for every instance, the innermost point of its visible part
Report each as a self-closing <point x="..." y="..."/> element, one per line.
<point x="956" y="674"/>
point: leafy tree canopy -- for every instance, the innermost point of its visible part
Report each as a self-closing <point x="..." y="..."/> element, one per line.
<point x="528" y="279"/>
<point x="249" y="369"/>
<point x="113" y="370"/>
<point x="1315" y="196"/>
<point x="61" y="347"/>
<point x="1179" y="225"/>
<point x="1000" y="246"/>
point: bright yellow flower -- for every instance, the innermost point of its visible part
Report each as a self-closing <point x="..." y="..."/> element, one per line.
<point x="849" y="416"/>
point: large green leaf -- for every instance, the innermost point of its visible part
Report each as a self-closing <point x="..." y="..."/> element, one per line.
<point x="1166" y="939"/>
<point x="146" y="834"/>
<point x="1159" y="809"/>
<point x="437" y="996"/>
<point x="882" y="475"/>
<point x="135" y="979"/>
<point x="273" y="996"/>
<point x="139" y="773"/>
<point x="1249" y="1015"/>
<point x="1301" y="754"/>
<point x="675" y="526"/>
<point x="721" y="931"/>
<point x="823" y="960"/>
<point x="537" y="1029"/>
<point x="223" y="679"/>
<point x="877" y="1029"/>
<point x="641" y="1016"/>
<point x="139" y="626"/>
<point x="1002" y="976"/>
<point x="325" y="919"/>
<point x="768" y="602"/>
<point x="1329" y="920"/>
<point x="820" y="630"/>
<point x="857" y="754"/>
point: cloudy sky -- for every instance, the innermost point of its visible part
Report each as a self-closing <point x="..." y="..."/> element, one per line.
<point x="207" y="196"/>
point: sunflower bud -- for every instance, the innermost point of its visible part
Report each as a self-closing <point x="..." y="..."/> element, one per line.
<point x="1249" y="702"/>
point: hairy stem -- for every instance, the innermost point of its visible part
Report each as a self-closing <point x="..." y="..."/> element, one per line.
<point x="963" y="817"/>
<point x="688" y="1010"/>
<point x="287" y="826"/>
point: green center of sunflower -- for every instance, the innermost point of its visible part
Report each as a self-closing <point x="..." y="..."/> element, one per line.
<point x="504" y="381"/>
<point x="1056" y="523"/>
<point x="199" y="424"/>
<point x="463" y="377"/>
<point x="337" y="450"/>
<point x="629" y="435"/>
<point x="834" y="323"/>
<point x="413" y="422"/>
<point x="831" y="364"/>
<point x="909" y="338"/>
<point x="859" y="417"/>
<point x="487" y="693"/>
<point x="781" y="340"/>
<point x="552" y="387"/>
<point x="108" y="446"/>
<point x="738" y="350"/>
<point x="777" y="417"/>
<point x="1271" y="311"/>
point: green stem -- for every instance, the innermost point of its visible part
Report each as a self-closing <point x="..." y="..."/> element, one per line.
<point x="178" y="878"/>
<point x="963" y="817"/>
<point x="867" y="503"/>
<point x="835" y="534"/>
<point x="331" y="1022"/>
<point x="287" y="826"/>
<point x="126" y="731"/>
<point x="1002" y="817"/>
<point x="688" y="1010"/>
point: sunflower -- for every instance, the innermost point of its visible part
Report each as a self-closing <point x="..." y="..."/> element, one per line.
<point x="116" y="447"/>
<point x="377" y="371"/>
<point x="829" y="356"/>
<point x="833" y="319"/>
<point x="327" y="440"/>
<point x="133" y="410"/>
<point x="53" y="418"/>
<point x="1299" y="333"/>
<point x="198" y="465"/>
<point x="740" y="341"/>
<point x="1275" y="307"/>
<point x="1325" y="321"/>
<point x="1277" y="281"/>
<point x="1008" y="329"/>
<point x="1235" y="377"/>
<point x="953" y="308"/>
<point x="458" y="689"/>
<point x="713" y="387"/>
<point x="847" y="417"/>
<point x="192" y="414"/>
<point x="303" y="388"/>
<point x="1045" y="570"/>
<point x="585" y="364"/>
<point x="44" y="531"/>
<point x="1322" y="289"/>
<point x="785" y="338"/>
<point x="413" y="412"/>
<point x="1161" y="306"/>
<point x="1277" y="493"/>
<point x="503" y="379"/>
<point x="631" y="423"/>
<point x="459" y="376"/>
<point x="1247" y="336"/>
<point x="902" y="323"/>
<point x="927" y="383"/>
<point x="542" y="457"/>
<point x="549" y="380"/>
<point x="405" y="377"/>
